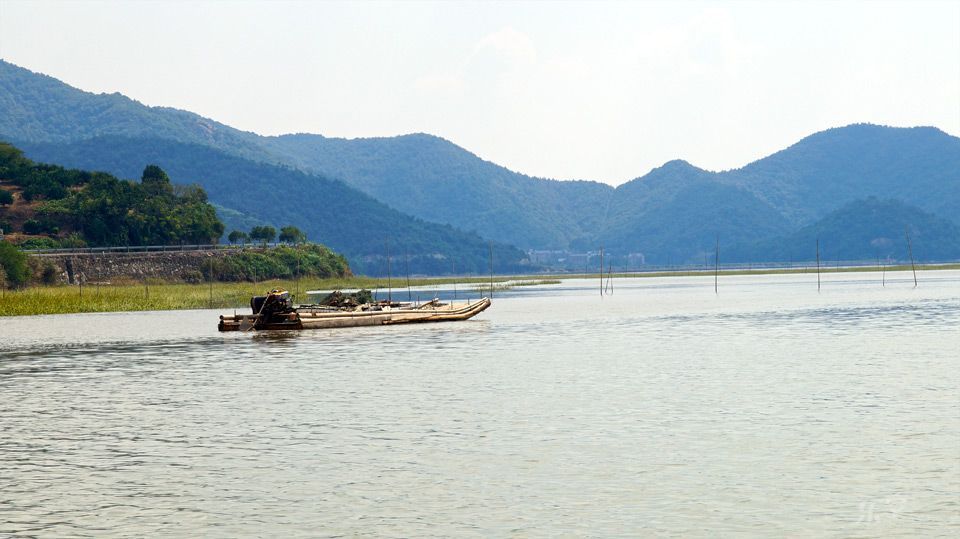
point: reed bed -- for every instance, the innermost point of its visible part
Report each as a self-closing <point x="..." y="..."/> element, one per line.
<point x="507" y="284"/>
<point x="159" y="296"/>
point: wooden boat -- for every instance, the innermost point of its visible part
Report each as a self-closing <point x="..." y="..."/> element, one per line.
<point x="274" y="312"/>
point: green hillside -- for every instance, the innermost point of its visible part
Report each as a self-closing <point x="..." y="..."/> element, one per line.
<point x="675" y="213"/>
<point x="36" y="107"/>
<point x="326" y="210"/>
<point x="861" y="230"/>
<point x="422" y="173"/>
<point x="920" y="166"/>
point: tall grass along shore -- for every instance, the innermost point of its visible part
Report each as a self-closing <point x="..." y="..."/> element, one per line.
<point x="159" y="296"/>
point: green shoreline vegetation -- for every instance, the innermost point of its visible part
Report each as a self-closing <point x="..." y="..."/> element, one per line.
<point x="154" y="295"/>
<point x="157" y="296"/>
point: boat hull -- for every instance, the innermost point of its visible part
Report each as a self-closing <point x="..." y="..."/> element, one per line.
<point x="316" y="319"/>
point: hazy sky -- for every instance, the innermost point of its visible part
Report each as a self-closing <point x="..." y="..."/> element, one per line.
<point x="600" y="91"/>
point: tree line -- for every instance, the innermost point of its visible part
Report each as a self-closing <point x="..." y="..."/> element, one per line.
<point x="266" y="234"/>
<point x="102" y="210"/>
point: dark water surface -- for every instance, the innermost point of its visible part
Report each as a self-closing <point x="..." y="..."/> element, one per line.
<point x="766" y="410"/>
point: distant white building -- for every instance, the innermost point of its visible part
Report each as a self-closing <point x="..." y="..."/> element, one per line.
<point x="588" y="261"/>
<point x="635" y="260"/>
<point x="545" y="257"/>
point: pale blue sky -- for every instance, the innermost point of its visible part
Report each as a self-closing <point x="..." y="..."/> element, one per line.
<point x="600" y="91"/>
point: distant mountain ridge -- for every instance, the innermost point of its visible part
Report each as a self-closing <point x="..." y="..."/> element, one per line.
<point x="919" y="165"/>
<point x="40" y="108"/>
<point x="677" y="212"/>
<point x="422" y="173"/>
<point x="672" y="214"/>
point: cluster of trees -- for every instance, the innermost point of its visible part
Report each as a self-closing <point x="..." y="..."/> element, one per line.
<point x="283" y="262"/>
<point x="266" y="234"/>
<point x="13" y="266"/>
<point x="105" y="210"/>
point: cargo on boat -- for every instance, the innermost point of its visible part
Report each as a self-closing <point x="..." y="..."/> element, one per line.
<point x="276" y="311"/>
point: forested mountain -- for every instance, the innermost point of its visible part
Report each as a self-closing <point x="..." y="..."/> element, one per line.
<point x="328" y="211"/>
<point x="425" y="175"/>
<point x="676" y="212"/>
<point x="864" y="229"/>
<point x="672" y="214"/>
<point x="920" y="166"/>
<point x="39" y="108"/>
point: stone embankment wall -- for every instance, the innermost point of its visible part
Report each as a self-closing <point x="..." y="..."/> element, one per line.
<point x="184" y="266"/>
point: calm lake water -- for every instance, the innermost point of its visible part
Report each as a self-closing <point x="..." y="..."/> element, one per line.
<point x="664" y="409"/>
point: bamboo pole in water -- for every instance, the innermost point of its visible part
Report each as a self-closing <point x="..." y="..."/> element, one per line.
<point x="716" y="268"/>
<point x="611" y="279"/>
<point x="601" y="271"/>
<point x="490" y="245"/>
<point x="389" y="282"/>
<point x="406" y="261"/>
<point x="609" y="288"/>
<point x="818" y="264"/>
<point x="605" y="274"/>
<point x="910" y="248"/>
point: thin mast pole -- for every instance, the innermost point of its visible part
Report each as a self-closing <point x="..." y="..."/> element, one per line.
<point x="406" y="258"/>
<point x="490" y="245"/>
<point x="818" y="264"/>
<point x="389" y="283"/>
<point x="609" y="288"/>
<point x="716" y="268"/>
<point x="601" y="271"/>
<point x="910" y="247"/>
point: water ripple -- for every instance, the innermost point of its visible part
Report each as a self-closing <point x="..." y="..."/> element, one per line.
<point x="666" y="409"/>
